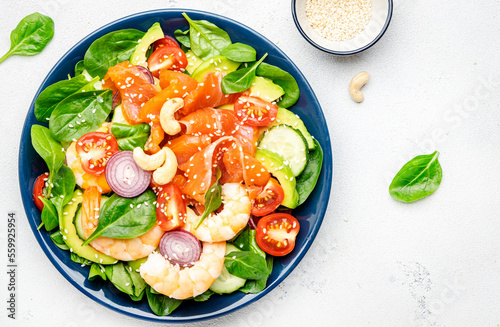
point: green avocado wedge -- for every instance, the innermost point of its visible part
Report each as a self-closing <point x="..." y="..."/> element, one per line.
<point x="153" y="34"/>
<point x="214" y="64"/>
<point x="71" y="238"/>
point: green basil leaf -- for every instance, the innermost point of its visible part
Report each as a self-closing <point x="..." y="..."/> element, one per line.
<point x="240" y="80"/>
<point x="183" y="37"/>
<point x="239" y="52"/>
<point x="97" y="270"/>
<point x="79" y="67"/>
<point x="76" y="258"/>
<point x="213" y="198"/>
<point x="307" y="180"/>
<point x="110" y="50"/>
<point x="79" y="114"/>
<point x="64" y="185"/>
<point x="203" y="296"/>
<point x="246" y="264"/>
<point x="160" y="304"/>
<point x="419" y="177"/>
<point x="283" y="79"/>
<point x="30" y="36"/>
<point x="48" y="148"/>
<point x="126" y="218"/>
<point x="257" y="286"/>
<point x="118" y="275"/>
<point x="55" y="93"/>
<point x="130" y="137"/>
<point x="50" y="218"/>
<point x="206" y="39"/>
<point x="57" y="238"/>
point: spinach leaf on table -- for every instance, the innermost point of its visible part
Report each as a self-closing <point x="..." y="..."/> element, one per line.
<point x="419" y="177"/>
<point x="109" y="50"/>
<point x="283" y="79"/>
<point x="130" y="137"/>
<point x="246" y="264"/>
<point x="80" y="113"/>
<point x="239" y="52"/>
<point x="55" y="93"/>
<point x="126" y="218"/>
<point x="160" y="304"/>
<point x="240" y="80"/>
<point x="30" y="36"/>
<point x="307" y="180"/>
<point x="206" y="39"/>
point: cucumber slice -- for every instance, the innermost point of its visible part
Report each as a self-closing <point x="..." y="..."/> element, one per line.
<point x="118" y="116"/>
<point x="287" y="117"/>
<point x="227" y="283"/>
<point x="289" y="144"/>
<point x="78" y="219"/>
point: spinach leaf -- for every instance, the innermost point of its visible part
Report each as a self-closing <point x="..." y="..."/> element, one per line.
<point x="257" y="286"/>
<point x="239" y="52"/>
<point x="118" y="275"/>
<point x="97" y="270"/>
<point x="213" y="198"/>
<point x="203" y="296"/>
<point x="160" y="304"/>
<point x="55" y="93"/>
<point x="130" y="137"/>
<point x="138" y="282"/>
<point x="64" y="185"/>
<point x="246" y="242"/>
<point x="50" y="218"/>
<point x="307" y="180"/>
<point x="48" y="148"/>
<point x="206" y="39"/>
<point x="57" y="238"/>
<point x="283" y="79"/>
<point x="240" y="80"/>
<point x="419" y="177"/>
<point x="246" y="264"/>
<point x="30" y="36"/>
<point x="76" y="258"/>
<point x="126" y="218"/>
<point x="109" y="50"/>
<point x="79" y="67"/>
<point x="183" y="37"/>
<point x="80" y="113"/>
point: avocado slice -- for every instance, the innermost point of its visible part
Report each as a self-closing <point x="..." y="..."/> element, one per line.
<point x="265" y="89"/>
<point x="193" y="61"/>
<point x="283" y="173"/>
<point x="227" y="283"/>
<point x="153" y="34"/>
<point x="118" y="116"/>
<point x="287" y="117"/>
<point x="214" y="64"/>
<point x="71" y="238"/>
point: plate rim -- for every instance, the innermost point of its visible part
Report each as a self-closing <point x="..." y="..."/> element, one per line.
<point x="26" y="196"/>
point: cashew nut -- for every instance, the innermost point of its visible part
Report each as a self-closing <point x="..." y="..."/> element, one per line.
<point x="167" y="119"/>
<point x="147" y="162"/>
<point x="166" y="173"/>
<point x="356" y="84"/>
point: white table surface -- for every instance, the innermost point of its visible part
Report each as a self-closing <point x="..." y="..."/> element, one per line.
<point x="435" y="86"/>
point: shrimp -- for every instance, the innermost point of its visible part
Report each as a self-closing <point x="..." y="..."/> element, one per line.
<point x="83" y="179"/>
<point x="121" y="249"/>
<point x="182" y="283"/>
<point x="227" y="223"/>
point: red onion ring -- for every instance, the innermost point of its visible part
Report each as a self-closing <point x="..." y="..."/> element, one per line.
<point x="124" y="176"/>
<point x="117" y="99"/>
<point x="146" y="73"/>
<point x="180" y="247"/>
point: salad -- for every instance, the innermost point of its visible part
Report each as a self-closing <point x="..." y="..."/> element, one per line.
<point x="174" y="164"/>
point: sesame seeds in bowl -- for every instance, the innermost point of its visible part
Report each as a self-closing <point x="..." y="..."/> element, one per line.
<point x="342" y="27"/>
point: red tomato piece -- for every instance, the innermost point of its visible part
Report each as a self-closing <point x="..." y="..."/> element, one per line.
<point x="171" y="208"/>
<point x="276" y="233"/>
<point x="39" y="190"/>
<point x="95" y="149"/>
<point x="167" y="57"/>
<point x="255" y="111"/>
<point x="166" y="41"/>
<point x="268" y="199"/>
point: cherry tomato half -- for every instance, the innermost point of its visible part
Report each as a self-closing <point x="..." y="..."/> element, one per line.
<point x="255" y="111"/>
<point x="95" y="149"/>
<point x="276" y="233"/>
<point x="268" y="199"/>
<point x="170" y="208"/>
<point x="39" y="190"/>
<point x="169" y="57"/>
<point x="166" y="41"/>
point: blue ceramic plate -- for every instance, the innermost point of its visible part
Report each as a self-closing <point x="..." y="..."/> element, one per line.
<point x="309" y="214"/>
